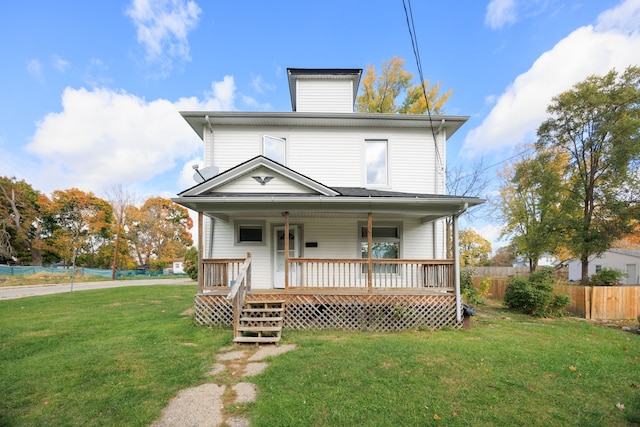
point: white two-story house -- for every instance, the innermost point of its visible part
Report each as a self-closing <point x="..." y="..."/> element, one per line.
<point x="341" y="212"/>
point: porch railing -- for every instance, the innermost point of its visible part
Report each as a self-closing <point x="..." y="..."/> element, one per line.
<point x="219" y="273"/>
<point x="239" y="290"/>
<point x="385" y="273"/>
<point x="316" y="273"/>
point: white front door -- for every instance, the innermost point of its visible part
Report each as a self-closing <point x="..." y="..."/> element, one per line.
<point x="278" y="255"/>
<point x="631" y="275"/>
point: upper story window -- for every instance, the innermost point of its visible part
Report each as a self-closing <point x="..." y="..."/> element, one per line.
<point x="274" y="148"/>
<point x="376" y="162"/>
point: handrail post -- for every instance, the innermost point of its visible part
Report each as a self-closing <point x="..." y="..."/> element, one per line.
<point x="238" y="292"/>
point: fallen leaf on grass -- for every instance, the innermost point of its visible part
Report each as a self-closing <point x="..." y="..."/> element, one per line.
<point x="436" y="417"/>
<point x="572" y="368"/>
<point x="530" y="387"/>
<point x="634" y="385"/>
<point x="620" y="406"/>
<point x="454" y="414"/>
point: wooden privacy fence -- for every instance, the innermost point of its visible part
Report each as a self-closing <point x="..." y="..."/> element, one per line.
<point x="590" y="302"/>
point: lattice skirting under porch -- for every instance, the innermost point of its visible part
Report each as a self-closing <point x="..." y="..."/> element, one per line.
<point x="346" y="312"/>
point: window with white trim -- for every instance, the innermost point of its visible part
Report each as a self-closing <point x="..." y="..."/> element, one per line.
<point x="274" y="148"/>
<point x="385" y="243"/>
<point x="250" y="232"/>
<point x="376" y="160"/>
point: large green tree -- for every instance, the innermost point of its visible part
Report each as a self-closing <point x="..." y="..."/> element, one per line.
<point x="597" y="125"/>
<point x="393" y="91"/>
<point x="530" y="192"/>
<point x="20" y="227"/>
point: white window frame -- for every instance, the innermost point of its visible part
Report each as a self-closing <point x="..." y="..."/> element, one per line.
<point x="238" y="224"/>
<point x="367" y="160"/>
<point x="282" y="140"/>
<point x="362" y="229"/>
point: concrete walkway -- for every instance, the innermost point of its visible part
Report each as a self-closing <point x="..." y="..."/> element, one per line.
<point x="204" y="405"/>
<point x="13" y="292"/>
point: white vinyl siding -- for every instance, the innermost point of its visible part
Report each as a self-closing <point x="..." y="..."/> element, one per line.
<point x="335" y="156"/>
<point x="328" y="96"/>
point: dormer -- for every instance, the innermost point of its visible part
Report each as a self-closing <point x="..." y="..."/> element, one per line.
<point x="323" y="90"/>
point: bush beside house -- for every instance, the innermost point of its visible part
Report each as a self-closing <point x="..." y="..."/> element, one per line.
<point x="535" y="295"/>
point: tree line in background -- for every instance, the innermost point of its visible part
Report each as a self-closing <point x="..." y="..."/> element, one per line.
<point x="73" y="227"/>
<point x="574" y="193"/>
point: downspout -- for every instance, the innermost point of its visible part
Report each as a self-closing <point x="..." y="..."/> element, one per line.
<point x="456" y="262"/>
<point x="437" y="159"/>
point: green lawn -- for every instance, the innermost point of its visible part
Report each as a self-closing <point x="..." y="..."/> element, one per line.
<point x="115" y="357"/>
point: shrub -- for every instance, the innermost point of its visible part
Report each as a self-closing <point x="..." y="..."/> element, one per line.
<point x="468" y="291"/>
<point x="607" y="277"/>
<point x="191" y="263"/>
<point x="484" y="286"/>
<point x="534" y="296"/>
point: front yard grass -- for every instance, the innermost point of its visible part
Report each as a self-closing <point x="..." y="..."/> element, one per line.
<point x="115" y="357"/>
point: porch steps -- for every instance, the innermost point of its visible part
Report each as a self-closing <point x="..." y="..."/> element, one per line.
<point x="260" y="322"/>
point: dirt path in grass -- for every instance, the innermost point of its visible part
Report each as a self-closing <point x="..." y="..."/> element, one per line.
<point x="205" y="404"/>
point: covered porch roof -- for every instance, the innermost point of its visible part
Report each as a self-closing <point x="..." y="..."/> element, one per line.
<point x="289" y="191"/>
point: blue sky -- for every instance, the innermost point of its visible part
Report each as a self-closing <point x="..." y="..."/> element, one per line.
<point x="90" y="91"/>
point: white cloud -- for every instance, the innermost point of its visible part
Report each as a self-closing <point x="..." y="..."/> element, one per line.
<point x="104" y="137"/>
<point x="500" y="13"/>
<point x="260" y="86"/>
<point x="59" y="63"/>
<point x="34" y="68"/>
<point x="162" y="27"/>
<point x="254" y="104"/>
<point x="613" y="43"/>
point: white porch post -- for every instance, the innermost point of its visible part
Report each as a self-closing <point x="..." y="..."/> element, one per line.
<point x="456" y="268"/>
<point x="369" y="252"/>
<point x="286" y="251"/>
<point x="200" y="254"/>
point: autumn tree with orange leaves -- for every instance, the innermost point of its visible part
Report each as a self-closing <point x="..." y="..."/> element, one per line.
<point x="158" y="231"/>
<point x="77" y="223"/>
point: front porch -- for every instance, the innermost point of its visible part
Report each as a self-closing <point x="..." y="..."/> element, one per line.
<point x="345" y="294"/>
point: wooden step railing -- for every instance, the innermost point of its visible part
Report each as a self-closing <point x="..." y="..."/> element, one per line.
<point x="239" y="290"/>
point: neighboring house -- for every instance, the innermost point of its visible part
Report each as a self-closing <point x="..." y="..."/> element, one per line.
<point x="178" y="266"/>
<point x="545" y="260"/>
<point x="341" y="212"/>
<point x="625" y="260"/>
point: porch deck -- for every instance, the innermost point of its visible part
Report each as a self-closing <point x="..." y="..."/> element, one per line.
<point x="376" y="295"/>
